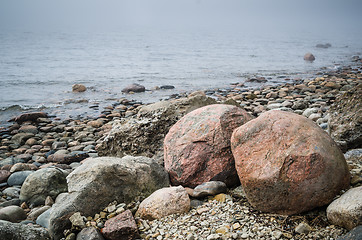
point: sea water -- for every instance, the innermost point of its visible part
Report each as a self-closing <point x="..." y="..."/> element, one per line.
<point x="38" y="69"/>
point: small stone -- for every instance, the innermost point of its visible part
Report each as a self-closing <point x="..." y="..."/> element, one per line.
<point x="77" y="220"/>
<point x="4" y="175"/>
<point x="236" y="226"/>
<point x="277" y="234"/>
<point x="89" y="233"/>
<point x="122" y="226"/>
<point x="209" y="188"/>
<point x="202" y="210"/>
<point x="164" y="202"/>
<point x="12" y="214"/>
<point x="303" y="228"/>
<point x="309" y="57"/>
<point x="190" y="237"/>
<point x="221" y="197"/>
<point x="49" y="201"/>
<point x="71" y="236"/>
<point x="78" y="88"/>
<point x="346" y="211"/>
<point x="134" y="88"/>
<point x="222" y="230"/>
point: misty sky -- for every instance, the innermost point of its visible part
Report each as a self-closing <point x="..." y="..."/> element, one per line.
<point x="314" y="15"/>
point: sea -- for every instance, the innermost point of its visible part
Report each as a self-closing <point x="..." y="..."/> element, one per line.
<point x="38" y="69"/>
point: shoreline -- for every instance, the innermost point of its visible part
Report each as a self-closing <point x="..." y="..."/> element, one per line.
<point x="45" y="143"/>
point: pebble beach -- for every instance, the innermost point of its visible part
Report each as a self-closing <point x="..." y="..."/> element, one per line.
<point x="43" y="142"/>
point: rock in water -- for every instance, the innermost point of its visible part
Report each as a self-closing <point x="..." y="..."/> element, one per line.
<point x="346" y="211"/>
<point x="287" y="164"/>
<point x="22" y="232"/>
<point x="197" y="147"/>
<point x="144" y="134"/>
<point x="29" y="117"/>
<point x="99" y="181"/>
<point x="123" y="226"/>
<point x="309" y="57"/>
<point x="345" y="122"/>
<point x="134" y="88"/>
<point x="164" y="202"/>
<point x="41" y="184"/>
<point x="78" y="88"/>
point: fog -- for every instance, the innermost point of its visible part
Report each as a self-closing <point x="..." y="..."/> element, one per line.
<point x="320" y="16"/>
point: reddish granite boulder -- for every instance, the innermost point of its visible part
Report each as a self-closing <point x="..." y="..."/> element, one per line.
<point x="197" y="147"/>
<point x="164" y="202"/>
<point x="287" y="164"/>
<point x="121" y="227"/>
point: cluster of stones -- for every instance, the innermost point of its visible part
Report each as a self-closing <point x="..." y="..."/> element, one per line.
<point x="43" y="161"/>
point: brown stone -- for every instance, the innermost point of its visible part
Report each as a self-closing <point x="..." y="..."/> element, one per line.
<point x="197" y="147"/>
<point x="78" y="88"/>
<point x="309" y="57"/>
<point x="287" y="164"/>
<point x="164" y="202"/>
<point x="4" y="175"/>
<point x="121" y="227"/>
<point x="96" y="123"/>
<point x="29" y="117"/>
<point x="134" y="88"/>
<point x="23" y="167"/>
<point x="28" y="129"/>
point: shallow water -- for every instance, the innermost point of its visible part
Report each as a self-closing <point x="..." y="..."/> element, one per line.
<point x="37" y="70"/>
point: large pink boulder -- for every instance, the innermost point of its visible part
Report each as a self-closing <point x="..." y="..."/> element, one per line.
<point x="197" y="147"/>
<point x="287" y="164"/>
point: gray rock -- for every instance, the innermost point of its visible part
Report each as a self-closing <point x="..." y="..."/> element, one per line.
<point x="20" y="138"/>
<point x="209" y="189"/>
<point x="89" y="233"/>
<point x="315" y="116"/>
<point x="13" y="192"/>
<point x="346" y="211"/>
<point x="144" y="133"/>
<point x="299" y="105"/>
<point x="77" y="220"/>
<point x="354" y="234"/>
<point x="36" y="212"/>
<point x="11" y="161"/>
<point x="274" y="106"/>
<point x="12" y="214"/>
<point x="96" y="183"/>
<point x="303" y="228"/>
<point x="354" y="155"/>
<point x="309" y="111"/>
<point x="12" y="202"/>
<point x="345" y="122"/>
<point x="134" y="88"/>
<point x="18" y="178"/>
<point x="43" y="219"/>
<point x="42" y="183"/>
<point x="164" y="202"/>
<point x="16" y="231"/>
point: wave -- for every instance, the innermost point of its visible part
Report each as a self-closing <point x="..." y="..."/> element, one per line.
<point x="21" y="108"/>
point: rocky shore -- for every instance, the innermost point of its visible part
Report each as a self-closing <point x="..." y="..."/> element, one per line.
<point x="88" y="179"/>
